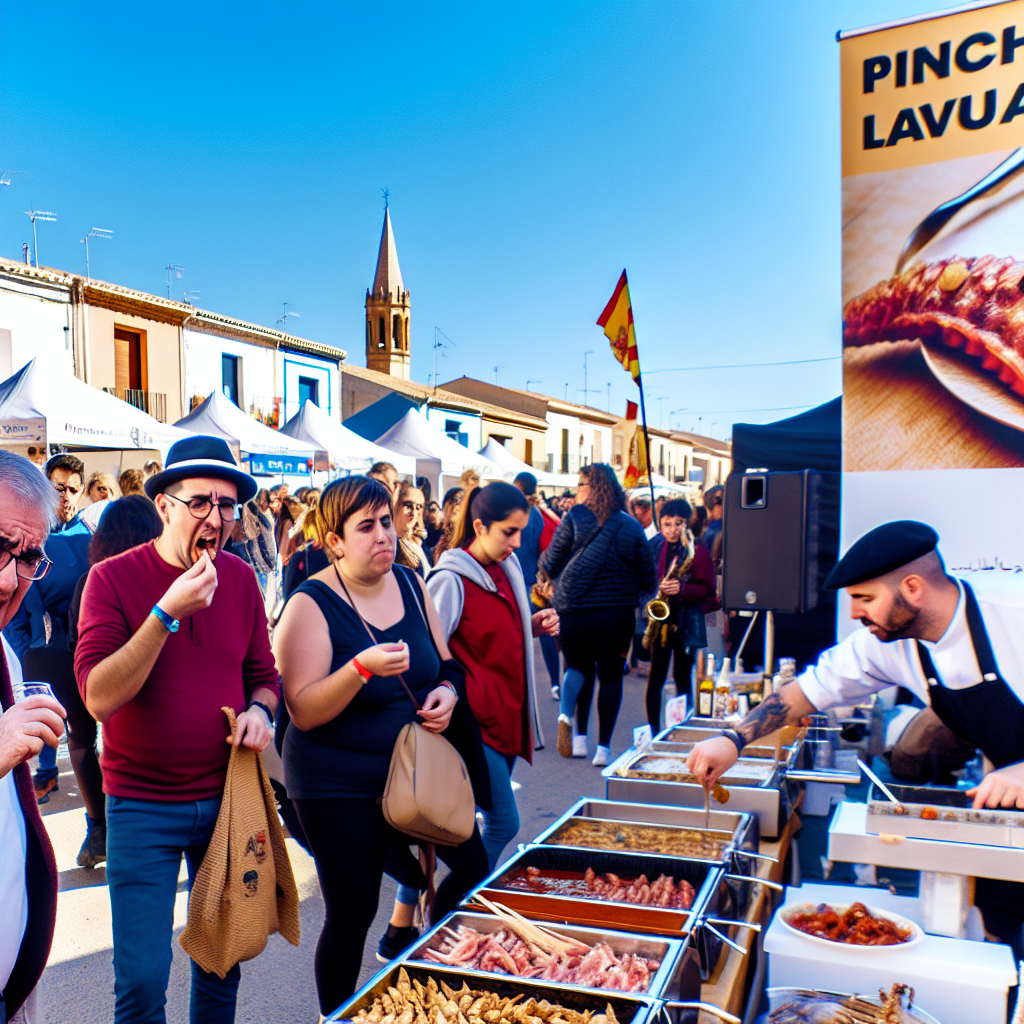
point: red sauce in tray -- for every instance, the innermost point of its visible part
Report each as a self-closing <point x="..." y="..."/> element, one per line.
<point x="663" y="892"/>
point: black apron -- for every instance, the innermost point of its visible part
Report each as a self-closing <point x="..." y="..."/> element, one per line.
<point x="991" y="716"/>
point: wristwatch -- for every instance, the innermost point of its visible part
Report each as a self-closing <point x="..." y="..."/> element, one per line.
<point x="171" y="624"/>
<point x="265" y="709"/>
<point x="732" y="734"/>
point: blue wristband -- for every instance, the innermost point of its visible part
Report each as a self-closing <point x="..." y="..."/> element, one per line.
<point x="171" y="624"/>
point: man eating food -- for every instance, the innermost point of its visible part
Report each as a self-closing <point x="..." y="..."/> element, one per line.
<point x="170" y="633"/>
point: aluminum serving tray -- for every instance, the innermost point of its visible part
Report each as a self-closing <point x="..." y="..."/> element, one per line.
<point x="678" y="977"/>
<point x="770" y="800"/>
<point x="683" y="747"/>
<point x="690" y="734"/>
<point x="738" y="830"/>
<point x="629" y="1009"/>
<point x="956" y="821"/>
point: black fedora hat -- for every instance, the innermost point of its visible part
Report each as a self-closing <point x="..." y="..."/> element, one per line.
<point x="201" y="456"/>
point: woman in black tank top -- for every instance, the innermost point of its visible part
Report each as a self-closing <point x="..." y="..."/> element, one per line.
<point x="347" y="708"/>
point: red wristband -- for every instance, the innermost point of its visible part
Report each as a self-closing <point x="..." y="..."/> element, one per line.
<point x="362" y="670"/>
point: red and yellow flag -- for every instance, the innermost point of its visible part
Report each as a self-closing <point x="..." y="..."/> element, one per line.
<point x="617" y="321"/>
<point x="636" y="467"/>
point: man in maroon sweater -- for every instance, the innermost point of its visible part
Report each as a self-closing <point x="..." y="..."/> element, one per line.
<point x="28" y="871"/>
<point x="171" y="632"/>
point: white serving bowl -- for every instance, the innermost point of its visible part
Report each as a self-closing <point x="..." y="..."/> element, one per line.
<point x="901" y="922"/>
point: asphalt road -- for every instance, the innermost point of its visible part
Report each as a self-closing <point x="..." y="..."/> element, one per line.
<point x="277" y="987"/>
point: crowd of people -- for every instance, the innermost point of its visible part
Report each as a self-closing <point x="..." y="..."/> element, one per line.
<point x="328" y="621"/>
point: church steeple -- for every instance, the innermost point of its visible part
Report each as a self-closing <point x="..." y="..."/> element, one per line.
<point x="388" y="311"/>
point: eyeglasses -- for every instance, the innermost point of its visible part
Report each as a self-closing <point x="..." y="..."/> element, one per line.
<point x="33" y="567"/>
<point x="201" y="506"/>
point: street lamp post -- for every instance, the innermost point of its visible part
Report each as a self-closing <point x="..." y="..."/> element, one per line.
<point x="34" y="215"/>
<point x="95" y="233"/>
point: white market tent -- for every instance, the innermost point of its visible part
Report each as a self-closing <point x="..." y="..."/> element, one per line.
<point x="347" y="449"/>
<point x="39" y="406"/>
<point x="510" y="466"/>
<point x="440" y="459"/>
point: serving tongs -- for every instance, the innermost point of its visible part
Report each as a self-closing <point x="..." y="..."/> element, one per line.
<point x="676" y="1004"/>
<point x="942" y="215"/>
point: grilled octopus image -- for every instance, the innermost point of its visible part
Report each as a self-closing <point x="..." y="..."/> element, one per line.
<point x="973" y="304"/>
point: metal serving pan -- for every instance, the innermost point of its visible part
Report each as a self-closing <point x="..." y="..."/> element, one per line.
<point x="678" y="977"/>
<point x="629" y="1009"/>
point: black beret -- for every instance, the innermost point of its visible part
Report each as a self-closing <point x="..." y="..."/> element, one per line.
<point x="881" y="550"/>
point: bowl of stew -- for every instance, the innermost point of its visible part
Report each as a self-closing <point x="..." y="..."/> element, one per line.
<point x="851" y="924"/>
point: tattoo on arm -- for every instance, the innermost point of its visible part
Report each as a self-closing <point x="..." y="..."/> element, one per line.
<point x="771" y="714"/>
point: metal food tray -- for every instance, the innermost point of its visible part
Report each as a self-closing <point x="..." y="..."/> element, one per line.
<point x="691" y="733"/>
<point x="747" y="771"/>
<point x="683" y="747"/>
<point x="678" y="977"/>
<point x="629" y="1008"/>
<point x="769" y="800"/>
<point x="704" y="876"/>
<point x="740" y="828"/>
<point x="957" y="821"/>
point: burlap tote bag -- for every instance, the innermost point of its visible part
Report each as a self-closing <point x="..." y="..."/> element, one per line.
<point x="244" y="889"/>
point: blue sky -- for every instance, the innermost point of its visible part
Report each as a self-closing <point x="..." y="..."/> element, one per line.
<point x="532" y="150"/>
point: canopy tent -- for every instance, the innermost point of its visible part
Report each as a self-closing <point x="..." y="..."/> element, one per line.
<point x="268" y="451"/>
<point x="380" y="416"/>
<point x="437" y="455"/>
<point x="812" y="440"/>
<point x="44" y="408"/>
<point x="347" y="449"/>
<point x="497" y="454"/>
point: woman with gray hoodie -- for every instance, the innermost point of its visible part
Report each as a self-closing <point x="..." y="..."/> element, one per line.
<point x="486" y="617"/>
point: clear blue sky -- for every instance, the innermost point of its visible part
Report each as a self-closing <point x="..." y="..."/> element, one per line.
<point x="532" y="150"/>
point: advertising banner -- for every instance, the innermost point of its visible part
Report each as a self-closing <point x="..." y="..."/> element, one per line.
<point x="933" y="280"/>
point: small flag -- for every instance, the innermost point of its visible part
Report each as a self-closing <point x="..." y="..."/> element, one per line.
<point x="636" y="467"/>
<point x="617" y="321"/>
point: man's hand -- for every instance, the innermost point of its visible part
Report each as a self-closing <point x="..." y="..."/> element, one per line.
<point x="437" y="709"/>
<point x="545" y="622"/>
<point x="709" y="759"/>
<point x="1001" y="788"/>
<point x="26" y="728"/>
<point x="192" y="591"/>
<point x="385" y="659"/>
<point x="253" y="729"/>
<point x="671" y="587"/>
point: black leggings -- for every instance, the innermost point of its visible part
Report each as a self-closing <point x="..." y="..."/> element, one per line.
<point x="350" y="840"/>
<point x="681" y="669"/>
<point x="57" y="667"/>
<point x="598" y="640"/>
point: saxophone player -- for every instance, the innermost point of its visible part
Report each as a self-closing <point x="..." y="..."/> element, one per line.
<point x="687" y="577"/>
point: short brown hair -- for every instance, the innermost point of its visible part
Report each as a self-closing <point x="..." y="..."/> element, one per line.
<point x="131" y="481"/>
<point x="342" y="499"/>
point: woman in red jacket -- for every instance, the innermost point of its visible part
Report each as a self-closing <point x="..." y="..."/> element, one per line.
<point x="687" y="593"/>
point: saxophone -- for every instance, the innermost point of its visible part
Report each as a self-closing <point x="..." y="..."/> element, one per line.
<point x="657" y="611"/>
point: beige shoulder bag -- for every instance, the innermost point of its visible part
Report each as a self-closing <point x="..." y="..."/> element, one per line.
<point x="428" y="794"/>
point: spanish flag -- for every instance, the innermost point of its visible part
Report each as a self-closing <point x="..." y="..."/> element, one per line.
<point x="636" y="468"/>
<point x="617" y="321"/>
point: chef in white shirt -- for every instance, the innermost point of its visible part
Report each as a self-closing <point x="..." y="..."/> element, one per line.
<point x="28" y="872"/>
<point x="960" y="650"/>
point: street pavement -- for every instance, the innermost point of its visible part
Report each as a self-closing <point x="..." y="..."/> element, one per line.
<point x="277" y="987"/>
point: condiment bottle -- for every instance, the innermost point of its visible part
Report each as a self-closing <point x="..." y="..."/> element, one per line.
<point x="706" y="694"/>
<point x="722" y="691"/>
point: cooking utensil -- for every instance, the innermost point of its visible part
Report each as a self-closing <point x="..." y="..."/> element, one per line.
<point x="876" y="780"/>
<point x="942" y="215"/>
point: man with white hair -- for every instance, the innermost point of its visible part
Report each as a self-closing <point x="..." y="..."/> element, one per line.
<point x="28" y="880"/>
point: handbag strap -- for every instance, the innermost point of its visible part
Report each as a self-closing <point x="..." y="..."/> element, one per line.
<point x="415" y="703"/>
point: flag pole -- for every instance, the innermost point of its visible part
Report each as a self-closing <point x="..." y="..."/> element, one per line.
<point x="647" y="439"/>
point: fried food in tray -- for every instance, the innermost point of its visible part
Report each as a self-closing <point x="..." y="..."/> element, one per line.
<point x="856" y="926"/>
<point x="413" y="1002"/>
<point x="674" y="769"/>
<point x="616" y="835"/>
<point x="663" y="891"/>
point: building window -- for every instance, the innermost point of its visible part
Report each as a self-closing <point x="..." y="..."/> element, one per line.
<point x="382" y="328"/>
<point x="309" y="388"/>
<point x="396" y="331"/>
<point x="127" y="360"/>
<point x="369" y="335"/>
<point x="229" y="377"/>
<point x="565" y="450"/>
<point x="528" y="451"/>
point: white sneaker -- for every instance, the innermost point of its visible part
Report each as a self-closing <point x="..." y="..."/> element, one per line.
<point x="579" y="746"/>
<point x="556" y="693"/>
<point x="602" y="756"/>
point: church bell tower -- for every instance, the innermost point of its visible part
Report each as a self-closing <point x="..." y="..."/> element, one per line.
<point x="388" y="311"/>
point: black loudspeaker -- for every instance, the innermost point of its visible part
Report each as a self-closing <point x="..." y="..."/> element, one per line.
<point x="770" y="540"/>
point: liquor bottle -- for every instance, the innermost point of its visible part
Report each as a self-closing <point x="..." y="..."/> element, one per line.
<point x="706" y="694"/>
<point x="723" y="690"/>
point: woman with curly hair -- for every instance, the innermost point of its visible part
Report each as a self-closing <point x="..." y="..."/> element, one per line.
<point x="600" y="564"/>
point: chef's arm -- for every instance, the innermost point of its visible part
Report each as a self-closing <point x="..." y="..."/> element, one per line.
<point x="786" y="707"/>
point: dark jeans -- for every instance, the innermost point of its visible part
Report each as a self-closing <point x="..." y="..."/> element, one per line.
<point x="549" y="649"/>
<point x="145" y="843"/>
<point x="350" y="840"/>
<point x="682" y="666"/>
<point x="595" y="641"/>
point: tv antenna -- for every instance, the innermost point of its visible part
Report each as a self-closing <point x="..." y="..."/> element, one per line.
<point x="286" y="312"/>
<point x="496" y="369"/>
<point x="175" y="269"/>
<point x="386" y="193"/>
<point x="94" y="233"/>
<point x="5" y="177"/>
<point x="529" y="382"/>
<point x="34" y="215"/>
<point x="440" y="344"/>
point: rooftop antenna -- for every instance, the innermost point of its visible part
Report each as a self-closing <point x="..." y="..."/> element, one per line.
<point x="172" y="268"/>
<point x="95" y="233"/>
<point x="387" y="195"/>
<point x="609" y="396"/>
<point x="5" y="177"/>
<point x="589" y="352"/>
<point x="34" y="215"/>
<point x="439" y="344"/>
<point x="286" y="312"/>
<point x="190" y="295"/>
<point x="529" y="382"/>
<point x="496" y="369"/>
